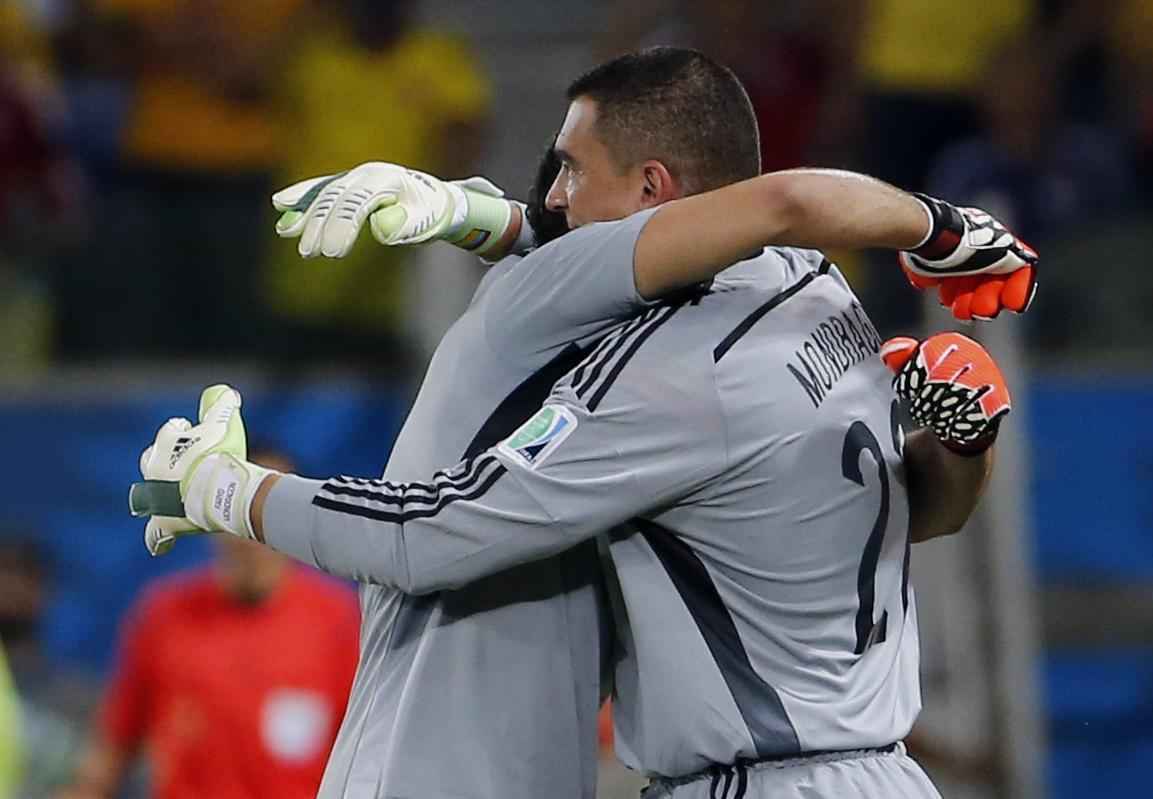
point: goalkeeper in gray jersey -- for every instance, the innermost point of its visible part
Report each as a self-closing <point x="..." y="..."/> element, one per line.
<point x="422" y="536"/>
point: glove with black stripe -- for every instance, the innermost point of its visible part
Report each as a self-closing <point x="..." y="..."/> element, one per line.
<point x="401" y="205"/>
<point x="196" y="477"/>
<point x="977" y="265"/>
<point x="952" y="385"/>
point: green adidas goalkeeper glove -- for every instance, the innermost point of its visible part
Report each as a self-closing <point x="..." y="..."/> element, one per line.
<point x="402" y="206"/>
<point x="196" y="477"/>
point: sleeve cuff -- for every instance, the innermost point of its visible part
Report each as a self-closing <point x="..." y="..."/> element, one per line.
<point x="289" y="517"/>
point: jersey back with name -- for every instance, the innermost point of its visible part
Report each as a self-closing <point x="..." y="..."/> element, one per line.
<point x="769" y="612"/>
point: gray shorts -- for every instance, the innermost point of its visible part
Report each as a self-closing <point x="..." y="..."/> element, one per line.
<point x="867" y="774"/>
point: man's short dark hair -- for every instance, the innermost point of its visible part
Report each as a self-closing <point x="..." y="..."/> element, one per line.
<point x="679" y="107"/>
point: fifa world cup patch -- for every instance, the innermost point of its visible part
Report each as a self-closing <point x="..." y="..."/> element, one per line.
<point x="540" y="436"/>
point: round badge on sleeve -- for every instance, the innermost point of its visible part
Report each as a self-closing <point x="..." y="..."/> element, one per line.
<point x="540" y="436"/>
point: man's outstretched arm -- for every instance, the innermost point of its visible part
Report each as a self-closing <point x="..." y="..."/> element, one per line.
<point x="689" y="240"/>
<point x="943" y="486"/>
<point x="569" y="473"/>
<point x="583" y="464"/>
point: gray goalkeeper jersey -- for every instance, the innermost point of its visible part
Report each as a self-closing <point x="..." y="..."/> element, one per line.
<point x="491" y="690"/>
<point x="747" y="441"/>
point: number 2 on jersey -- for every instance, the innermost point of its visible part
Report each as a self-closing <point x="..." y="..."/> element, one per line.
<point x="860" y="439"/>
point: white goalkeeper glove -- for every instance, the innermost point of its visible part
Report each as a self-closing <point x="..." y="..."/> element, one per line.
<point x="197" y="478"/>
<point x="403" y="206"/>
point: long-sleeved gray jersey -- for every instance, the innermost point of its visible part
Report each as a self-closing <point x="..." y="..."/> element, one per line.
<point x="491" y="690"/>
<point x="749" y="439"/>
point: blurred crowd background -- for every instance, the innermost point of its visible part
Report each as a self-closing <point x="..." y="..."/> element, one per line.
<point x="140" y="141"/>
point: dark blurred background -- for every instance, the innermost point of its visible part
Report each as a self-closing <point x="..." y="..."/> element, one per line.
<point x="140" y="141"/>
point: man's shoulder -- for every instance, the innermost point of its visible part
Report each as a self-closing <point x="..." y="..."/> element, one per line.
<point x="662" y="355"/>
<point x="592" y="235"/>
<point x="678" y="335"/>
<point x="571" y="290"/>
<point x="711" y="319"/>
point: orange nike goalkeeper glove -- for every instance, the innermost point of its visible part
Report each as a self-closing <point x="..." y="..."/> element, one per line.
<point x="976" y="264"/>
<point x="950" y="384"/>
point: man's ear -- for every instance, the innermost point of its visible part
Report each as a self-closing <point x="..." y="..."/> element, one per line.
<point x="659" y="184"/>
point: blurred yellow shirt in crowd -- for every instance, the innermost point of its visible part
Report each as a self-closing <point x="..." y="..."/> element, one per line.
<point x="22" y="44"/>
<point x="348" y="105"/>
<point x="937" y="45"/>
<point x="180" y="120"/>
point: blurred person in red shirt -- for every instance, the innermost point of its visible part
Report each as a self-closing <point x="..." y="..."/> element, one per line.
<point x="231" y="679"/>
